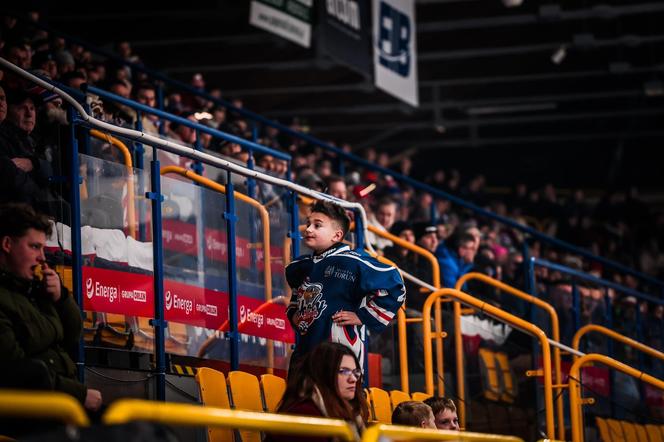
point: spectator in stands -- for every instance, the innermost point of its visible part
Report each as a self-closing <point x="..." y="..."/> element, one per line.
<point x="444" y="412"/>
<point x="327" y="383"/>
<point x="336" y="186"/>
<point x="40" y="324"/>
<point x="413" y="414"/>
<point x="24" y="171"/>
<point x="382" y="218"/>
<point x="457" y="260"/>
<point x="146" y="93"/>
<point x="336" y="291"/>
<point x="192" y="102"/>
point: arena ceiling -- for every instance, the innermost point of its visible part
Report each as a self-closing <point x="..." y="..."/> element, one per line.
<point x="568" y="90"/>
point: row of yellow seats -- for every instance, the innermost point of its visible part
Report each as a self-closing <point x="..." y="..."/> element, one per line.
<point x="497" y="376"/>
<point x="612" y="430"/>
<point x="240" y="391"/>
<point x="382" y="403"/>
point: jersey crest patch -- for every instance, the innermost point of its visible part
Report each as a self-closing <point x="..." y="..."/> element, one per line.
<point x="310" y="305"/>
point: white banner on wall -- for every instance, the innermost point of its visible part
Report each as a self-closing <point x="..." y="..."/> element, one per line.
<point x="395" y="48"/>
<point x="290" y="19"/>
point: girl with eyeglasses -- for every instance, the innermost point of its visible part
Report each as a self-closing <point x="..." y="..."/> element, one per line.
<point x="326" y="383"/>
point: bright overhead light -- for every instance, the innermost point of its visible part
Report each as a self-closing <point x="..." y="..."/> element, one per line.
<point x="559" y="54"/>
<point x="512" y="3"/>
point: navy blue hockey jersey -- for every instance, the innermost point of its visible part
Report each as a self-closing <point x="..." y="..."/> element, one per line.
<point x="341" y="279"/>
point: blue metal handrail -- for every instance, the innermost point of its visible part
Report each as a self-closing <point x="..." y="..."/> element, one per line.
<point x="185" y="122"/>
<point x="595" y="280"/>
<point x="364" y="163"/>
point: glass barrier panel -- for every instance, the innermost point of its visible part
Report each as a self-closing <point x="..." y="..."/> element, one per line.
<point x="195" y="269"/>
<point x="117" y="255"/>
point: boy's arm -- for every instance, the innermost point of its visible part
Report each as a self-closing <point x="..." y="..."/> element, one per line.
<point x="384" y="293"/>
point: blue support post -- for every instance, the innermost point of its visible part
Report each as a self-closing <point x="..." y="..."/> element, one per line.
<point x="294" y="233"/>
<point x="197" y="166"/>
<point x="139" y="152"/>
<point x="86" y="139"/>
<point x="231" y="219"/>
<point x="158" y="323"/>
<point x="433" y="214"/>
<point x="75" y="213"/>
<point x="359" y="233"/>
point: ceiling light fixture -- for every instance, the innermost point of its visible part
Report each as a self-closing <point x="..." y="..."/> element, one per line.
<point x="559" y="54"/>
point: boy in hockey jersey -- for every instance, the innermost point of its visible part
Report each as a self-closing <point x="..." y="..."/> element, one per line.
<point x="337" y="292"/>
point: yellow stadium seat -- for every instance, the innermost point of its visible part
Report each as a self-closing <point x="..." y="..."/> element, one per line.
<point x="509" y="386"/>
<point x="397" y="397"/>
<point x="380" y="400"/>
<point x="654" y="433"/>
<point x="367" y="398"/>
<point x="214" y="393"/>
<point x="490" y="379"/>
<point x="641" y="433"/>
<point x="273" y="388"/>
<point x="603" y="428"/>
<point x="616" y="431"/>
<point x="115" y="330"/>
<point x="418" y="396"/>
<point x="629" y="431"/>
<point x="245" y="395"/>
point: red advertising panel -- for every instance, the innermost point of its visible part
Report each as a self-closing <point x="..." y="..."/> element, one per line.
<point x="131" y="294"/>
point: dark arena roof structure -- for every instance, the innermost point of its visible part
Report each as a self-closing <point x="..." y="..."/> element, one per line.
<point x="565" y="91"/>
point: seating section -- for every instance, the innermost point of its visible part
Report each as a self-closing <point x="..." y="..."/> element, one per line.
<point x="498" y="381"/>
<point x="272" y="388"/>
<point x="418" y="396"/>
<point x="612" y="430"/>
<point x="214" y="393"/>
<point x="397" y="397"/>
<point x="654" y="433"/>
<point x="245" y="394"/>
<point x="381" y="406"/>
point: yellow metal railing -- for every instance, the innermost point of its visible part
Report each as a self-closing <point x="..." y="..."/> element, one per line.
<point x="127" y="410"/>
<point x="503" y="316"/>
<point x="126" y="155"/>
<point x="43" y="405"/>
<point x="575" y="401"/>
<point x="265" y="217"/>
<point x="402" y="321"/>
<point x="576" y="341"/>
<point x="555" y="331"/>
<point x="397" y="432"/>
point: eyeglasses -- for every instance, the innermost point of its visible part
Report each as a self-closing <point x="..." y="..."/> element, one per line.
<point x="347" y="372"/>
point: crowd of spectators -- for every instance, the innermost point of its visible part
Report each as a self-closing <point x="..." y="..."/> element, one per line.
<point x="617" y="225"/>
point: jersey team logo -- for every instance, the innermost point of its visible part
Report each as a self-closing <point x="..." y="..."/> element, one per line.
<point x="309" y="305"/>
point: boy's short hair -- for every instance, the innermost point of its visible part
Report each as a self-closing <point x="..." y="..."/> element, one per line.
<point x="335" y="212"/>
<point x="439" y="404"/>
<point x="411" y="413"/>
<point x="17" y="218"/>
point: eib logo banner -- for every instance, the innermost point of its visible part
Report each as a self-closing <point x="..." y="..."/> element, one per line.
<point x="395" y="48"/>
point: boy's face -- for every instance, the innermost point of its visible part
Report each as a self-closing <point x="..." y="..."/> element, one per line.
<point x="322" y="232"/>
